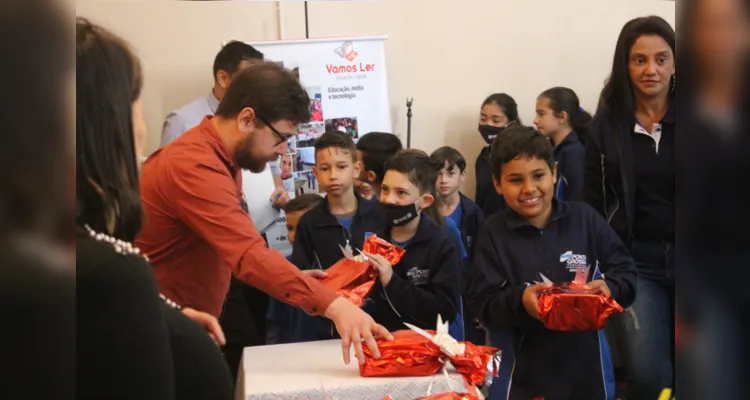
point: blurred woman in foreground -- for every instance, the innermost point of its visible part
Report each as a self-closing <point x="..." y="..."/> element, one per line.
<point x="132" y="342"/>
<point x="37" y="290"/>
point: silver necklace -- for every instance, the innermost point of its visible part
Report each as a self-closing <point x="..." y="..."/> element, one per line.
<point x="125" y="248"/>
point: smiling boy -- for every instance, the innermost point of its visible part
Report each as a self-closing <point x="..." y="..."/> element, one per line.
<point x="539" y="234"/>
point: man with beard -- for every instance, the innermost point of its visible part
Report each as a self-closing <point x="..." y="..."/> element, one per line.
<point x="243" y="316"/>
<point x="196" y="233"/>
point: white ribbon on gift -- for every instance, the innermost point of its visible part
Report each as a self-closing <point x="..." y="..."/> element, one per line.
<point x="442" y="338"/>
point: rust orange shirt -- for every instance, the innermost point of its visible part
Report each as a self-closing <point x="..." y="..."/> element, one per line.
<point x="197" y="235"/>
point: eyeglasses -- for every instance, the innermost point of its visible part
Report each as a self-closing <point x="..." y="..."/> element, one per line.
<point x="282" y="137"/>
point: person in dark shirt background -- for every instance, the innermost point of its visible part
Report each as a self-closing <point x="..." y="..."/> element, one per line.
<point x="281" y="325"/>
<point x="37" y="153"/>
<point x="467" y="217"/>
<point x="497" y="113"/>
<point x="629" y="175"/>
<point x="560" y="117"/>
<point x="373" y="150"/>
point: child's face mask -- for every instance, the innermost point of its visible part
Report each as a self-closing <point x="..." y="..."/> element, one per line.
<point x="399" y="215"/>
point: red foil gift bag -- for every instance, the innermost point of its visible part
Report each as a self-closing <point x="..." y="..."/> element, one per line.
<point x="351" y="279"/>
<point x="376" y="245"/>
<point x="570" y="307"/>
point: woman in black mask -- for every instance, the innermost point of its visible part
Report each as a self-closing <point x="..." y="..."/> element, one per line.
<point x="498" y="111"/>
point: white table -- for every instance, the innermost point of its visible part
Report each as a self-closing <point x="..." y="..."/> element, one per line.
<point x="302" y="371"/>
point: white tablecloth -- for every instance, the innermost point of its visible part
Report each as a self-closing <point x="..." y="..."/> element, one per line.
<point x="309" y="371"/>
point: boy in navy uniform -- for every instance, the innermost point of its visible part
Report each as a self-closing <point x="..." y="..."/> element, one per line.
<point x="537" y="235"/>
<point x="373" y="150"/>
<point x="464" y="213"/>
<point x="452" y="203"/>
<point x="283" y="320"/>
<point x="337" y="227"/>
<point x="425" y="282"/>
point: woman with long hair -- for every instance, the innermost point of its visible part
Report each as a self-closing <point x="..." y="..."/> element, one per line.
<point x="132" y="342"/>
<point x="629" y="175"/>
<point x="37" y="287"/>
<point x="560" y="117"/>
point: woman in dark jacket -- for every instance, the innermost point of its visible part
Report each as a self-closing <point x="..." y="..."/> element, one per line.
<point x="132" y="342"/>
<point x="498" y="111"/>
<point x="629" y="178"/>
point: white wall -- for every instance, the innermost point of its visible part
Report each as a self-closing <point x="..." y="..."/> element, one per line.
<point x="448" y="54"/>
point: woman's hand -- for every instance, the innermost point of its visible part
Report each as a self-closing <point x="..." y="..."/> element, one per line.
<point x="208" y="322"/>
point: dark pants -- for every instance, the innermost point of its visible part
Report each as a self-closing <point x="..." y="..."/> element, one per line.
<point x="243" y="321"/>
<point x="645" y="331"/>
<point x="505" y="341"/>
<point x="472" y="332"/>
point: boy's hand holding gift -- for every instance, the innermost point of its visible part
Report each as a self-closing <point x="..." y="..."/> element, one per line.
<point x="383" y="256"/>
<point x="385" y="269"/>
<point x="531" y="298"/>
<point x="571" y="306"/>
<point x="354" y="278"/>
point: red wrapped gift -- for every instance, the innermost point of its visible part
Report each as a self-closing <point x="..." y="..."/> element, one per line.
<point x="570" y="306"/>
<point x="412" y="354"/>
<point x="376" y="245"/>
<point x="444" y="396"/>
<point x="450" y="396"/>
<point x="354" y="279"/>
<point x="351" y="279"/>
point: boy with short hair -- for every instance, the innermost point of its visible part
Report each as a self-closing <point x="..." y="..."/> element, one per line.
<point x="281" y="318"/>
<point x="425" y="282"/>
<point x="373" y="150"/>
<point x="464" y="213"/>
<point x="453" y="204"/>
<point x="540" y="235"/>
<point x="338" y="226"/>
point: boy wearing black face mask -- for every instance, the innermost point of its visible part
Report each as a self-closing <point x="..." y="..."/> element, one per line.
<point x="498" y="111"/>
<point x="426" y="281"/>
<point x="338" y="226"/>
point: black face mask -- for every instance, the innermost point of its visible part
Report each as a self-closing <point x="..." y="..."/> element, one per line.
<point x="398" y="215"/>
<point x="490" y="132"/>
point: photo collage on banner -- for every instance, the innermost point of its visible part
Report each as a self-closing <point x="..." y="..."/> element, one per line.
<point x="346" y="82"/>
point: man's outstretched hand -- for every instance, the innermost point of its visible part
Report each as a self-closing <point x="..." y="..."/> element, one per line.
<point x="355" y="326"/>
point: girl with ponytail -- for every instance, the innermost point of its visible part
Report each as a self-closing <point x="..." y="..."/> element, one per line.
<point x="560" y="117"/>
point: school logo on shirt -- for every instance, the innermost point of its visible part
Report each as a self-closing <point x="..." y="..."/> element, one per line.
<point x="573" y="261"/>
<point x="418" y="276"/>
